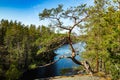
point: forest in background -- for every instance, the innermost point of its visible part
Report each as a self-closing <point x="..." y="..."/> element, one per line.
<point x="23" y="47"/>
<point x="20" y="45"/>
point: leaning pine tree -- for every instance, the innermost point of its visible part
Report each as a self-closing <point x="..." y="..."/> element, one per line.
<point x="76" y="16"/>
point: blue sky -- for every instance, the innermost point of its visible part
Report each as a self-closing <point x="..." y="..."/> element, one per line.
<point x="26" y="11"/>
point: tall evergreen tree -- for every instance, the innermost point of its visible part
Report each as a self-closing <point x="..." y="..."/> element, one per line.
<point x="102" y="38"/>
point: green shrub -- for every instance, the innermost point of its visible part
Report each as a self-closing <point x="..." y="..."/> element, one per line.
<point x="13" y="73"/>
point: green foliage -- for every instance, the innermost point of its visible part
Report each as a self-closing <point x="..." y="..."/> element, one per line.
<point x="115" y="71"/>
<point x="103" y="38"/>
<point x="32" y="66"/>
<point x="43" y="49"/>
<point x="46" y="40"/>
<point x="12" y="73"/>
<point x="51" y="12"/>
<point x="19" y="45"/>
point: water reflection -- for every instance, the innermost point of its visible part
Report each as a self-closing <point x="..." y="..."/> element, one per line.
<point x="67" y="63"/>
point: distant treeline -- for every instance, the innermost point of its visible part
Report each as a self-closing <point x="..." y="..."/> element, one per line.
<point x="23" y="47"/>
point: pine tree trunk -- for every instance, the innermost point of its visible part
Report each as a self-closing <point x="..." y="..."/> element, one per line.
<point x="85" y="64"/>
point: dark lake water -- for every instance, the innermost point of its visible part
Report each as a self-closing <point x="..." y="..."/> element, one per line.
<point x="55" y="69"/>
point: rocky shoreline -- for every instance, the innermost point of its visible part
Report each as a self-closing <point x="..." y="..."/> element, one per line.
<point x="76" y="77"/>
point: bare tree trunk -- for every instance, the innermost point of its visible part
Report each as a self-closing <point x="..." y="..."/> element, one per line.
<point x="97" y="63"/>
<point x="85" y="64"/>
<point x="87" y="67"/>
<point x="101" y="64"/>
<point x="26" y="56"/>
<point x="104" y="67"/>
<point x="119" y="6"/>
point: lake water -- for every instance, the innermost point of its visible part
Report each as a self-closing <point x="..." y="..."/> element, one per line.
<point x="55" y="69"/>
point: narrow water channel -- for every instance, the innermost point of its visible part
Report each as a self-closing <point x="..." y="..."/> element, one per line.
<point x="55" y="69"/>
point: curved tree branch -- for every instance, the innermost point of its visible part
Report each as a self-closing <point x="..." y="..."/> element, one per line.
<point x="71" y="14"/>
